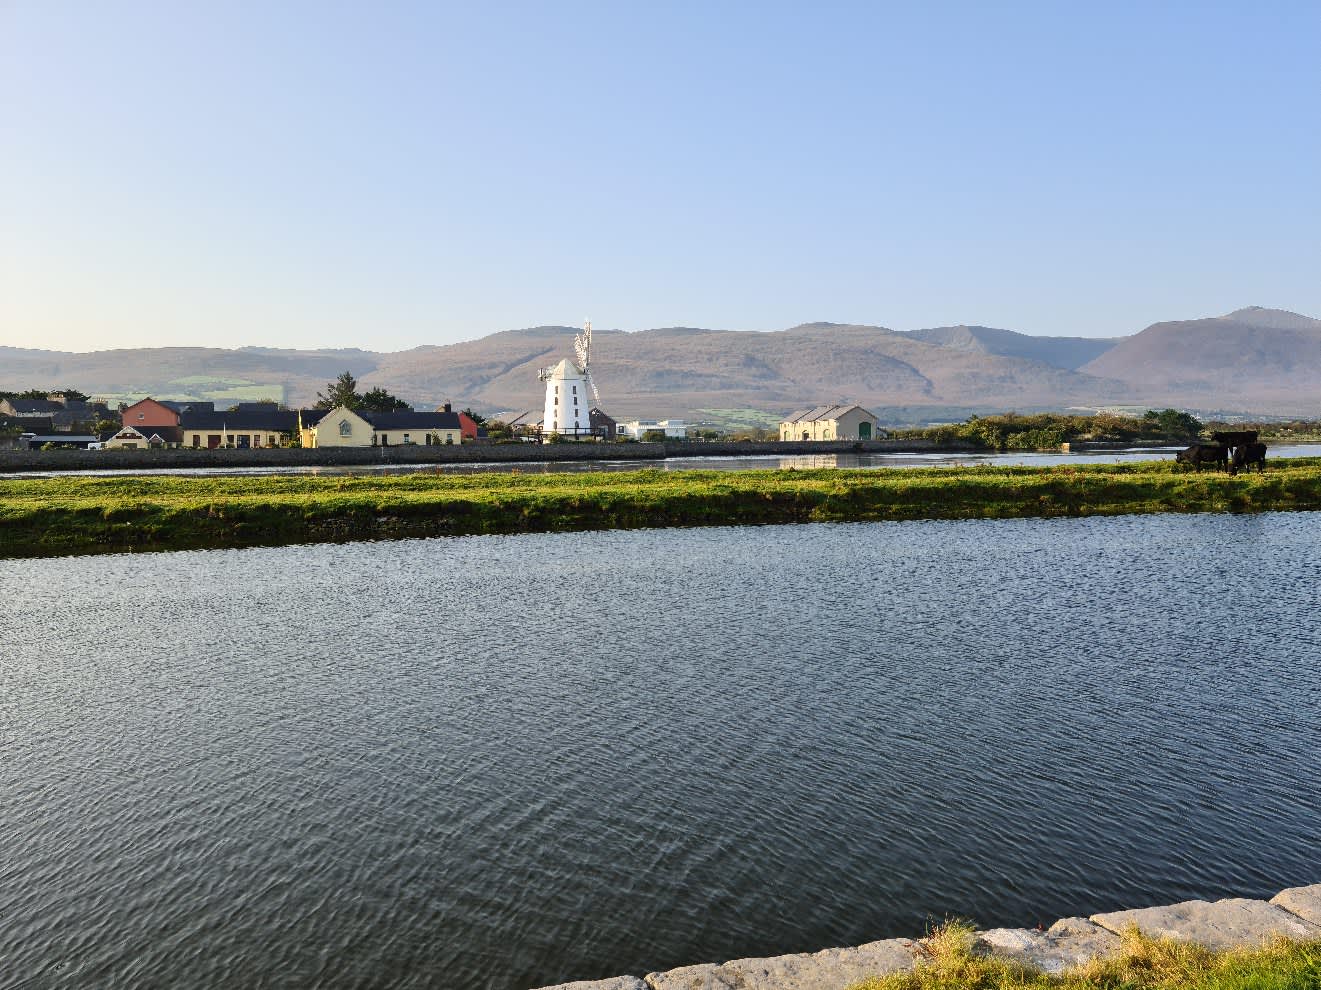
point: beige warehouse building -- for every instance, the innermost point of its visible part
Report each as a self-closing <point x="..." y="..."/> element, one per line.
<point x="831" y="423"/>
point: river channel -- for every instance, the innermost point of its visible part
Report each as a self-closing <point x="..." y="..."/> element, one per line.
<point x="503" y="762"/>
<point x="745" y="463"/>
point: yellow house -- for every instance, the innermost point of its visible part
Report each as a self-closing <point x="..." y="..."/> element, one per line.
<point x="831" y="423"/>
<point x="338" y="427"/>
<point x="343" y="427"/>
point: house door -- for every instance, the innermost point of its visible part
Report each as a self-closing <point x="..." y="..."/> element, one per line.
<point x="864" y="431"/>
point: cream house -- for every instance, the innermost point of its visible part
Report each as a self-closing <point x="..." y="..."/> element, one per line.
<point x="143" y="438"/>
<point x="343" y="427"/>
<point x="831" y="423"/>
<point x="339" y="427"/>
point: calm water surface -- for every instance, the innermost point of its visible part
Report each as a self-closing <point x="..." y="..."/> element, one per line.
<point x="505" y="762"/>
<point x="753" y="463"/>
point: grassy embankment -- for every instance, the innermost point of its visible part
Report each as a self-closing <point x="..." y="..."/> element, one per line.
<point x="1142" y="964"/>
<point x="57" y="516"/>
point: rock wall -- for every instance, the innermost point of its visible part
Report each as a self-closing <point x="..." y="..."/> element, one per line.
<point x="1230" y="923"/>
<point x="182" y="458"/>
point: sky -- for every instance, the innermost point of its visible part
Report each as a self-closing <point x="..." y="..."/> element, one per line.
<point x="384" y="175"/>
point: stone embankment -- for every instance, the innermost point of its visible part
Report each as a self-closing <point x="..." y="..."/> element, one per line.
<point x="1231" y="923"/>
<point x="12" y="461"/>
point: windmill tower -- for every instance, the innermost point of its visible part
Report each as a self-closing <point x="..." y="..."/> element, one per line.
<point x="566" y="411"/>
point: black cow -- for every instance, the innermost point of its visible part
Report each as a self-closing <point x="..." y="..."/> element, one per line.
<point x="1204" y="453"/>
<point x="1247" y="455"/>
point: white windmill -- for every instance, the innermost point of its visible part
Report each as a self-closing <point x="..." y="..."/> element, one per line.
<point x="566" y="412"/>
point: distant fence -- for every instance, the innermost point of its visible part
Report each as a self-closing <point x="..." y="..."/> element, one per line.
<point x="175" y="459"/>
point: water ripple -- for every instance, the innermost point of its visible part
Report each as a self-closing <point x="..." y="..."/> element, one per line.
<point x="496" y="763"/>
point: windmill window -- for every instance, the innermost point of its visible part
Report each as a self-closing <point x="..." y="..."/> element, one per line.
<point x="575" y="390"/>
<point x="557" y="400"/>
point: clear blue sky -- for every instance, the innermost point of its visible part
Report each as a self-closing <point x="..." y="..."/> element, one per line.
<point x="387" y="175"/>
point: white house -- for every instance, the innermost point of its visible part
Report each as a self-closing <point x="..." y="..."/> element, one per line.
<point x="674" y="429"/>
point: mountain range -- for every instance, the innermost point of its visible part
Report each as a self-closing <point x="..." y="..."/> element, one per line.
<point x="1253" y="360"/>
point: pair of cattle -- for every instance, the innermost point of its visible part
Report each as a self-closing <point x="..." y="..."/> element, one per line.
<point x="1230" y="452"/>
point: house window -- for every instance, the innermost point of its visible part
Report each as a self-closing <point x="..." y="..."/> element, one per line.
<point x="385" y="439"/>
<point x="406" y="438"/>
<point x="197" y="439"/>
<point x="142" y="415"/>
<point x="345" y="428"/>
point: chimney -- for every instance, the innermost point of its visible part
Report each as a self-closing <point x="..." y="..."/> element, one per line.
<point x="447" y="407"/>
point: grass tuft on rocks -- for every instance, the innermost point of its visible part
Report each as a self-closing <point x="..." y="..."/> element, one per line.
<point x="956" y="960"/>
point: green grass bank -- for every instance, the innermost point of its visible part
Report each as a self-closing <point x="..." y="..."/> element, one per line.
<point x="63" y="516"/>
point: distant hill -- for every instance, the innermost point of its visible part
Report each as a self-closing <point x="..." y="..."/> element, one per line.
<point x="681" y="370"/>
<point x="1061" y="352"/>
<point x="1253" y="360"/>
<point x="1251" y="357"/>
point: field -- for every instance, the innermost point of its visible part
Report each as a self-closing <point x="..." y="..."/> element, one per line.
<point x="60" y="516"/>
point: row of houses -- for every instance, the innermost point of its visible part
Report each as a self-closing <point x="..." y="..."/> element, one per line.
<point x="199" y="425"/>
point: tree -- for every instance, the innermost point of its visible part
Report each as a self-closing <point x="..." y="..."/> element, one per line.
<point x="1178" y="425"/>
<point x="477" y="418"/>
<point x="380" y="401"/>
<point x="343" y="391"/>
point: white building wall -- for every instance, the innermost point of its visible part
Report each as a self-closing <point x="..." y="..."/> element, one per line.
<point x="566" y="411"/>
<point x="674" y="429"/>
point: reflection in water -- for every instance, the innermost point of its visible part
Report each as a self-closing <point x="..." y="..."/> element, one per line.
<point x="745" y="463"/>
<point x="502" y="762"/>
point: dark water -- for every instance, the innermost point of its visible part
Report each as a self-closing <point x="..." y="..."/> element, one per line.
<point x="754" y="463"/>
<point x="506" y="762"/>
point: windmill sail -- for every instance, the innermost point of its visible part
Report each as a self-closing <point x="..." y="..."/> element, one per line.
<point x="582" y="348"/>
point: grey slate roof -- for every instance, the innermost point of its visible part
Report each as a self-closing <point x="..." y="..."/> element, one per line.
<point x="818" y="413"/>
<point x="34" y="407"/>
<point x="168" y="434"/>
<point x="268" y="421"/>
<point x="413" y="420"/>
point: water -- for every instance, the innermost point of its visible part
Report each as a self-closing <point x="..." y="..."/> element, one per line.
<point x="506" y="762"/>
<point x="748" y="463"/>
